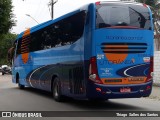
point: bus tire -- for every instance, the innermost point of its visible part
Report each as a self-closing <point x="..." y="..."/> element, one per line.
<point x="97" y="100"/>
<point x="56" y="90"/>
<point x="19" y="85"/>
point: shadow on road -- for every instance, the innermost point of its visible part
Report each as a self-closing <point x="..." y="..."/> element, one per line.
<point x="85" y="104"/>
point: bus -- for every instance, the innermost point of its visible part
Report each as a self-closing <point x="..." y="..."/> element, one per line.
<point x="101" y="51"/>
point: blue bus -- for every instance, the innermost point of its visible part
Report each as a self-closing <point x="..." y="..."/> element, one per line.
<point x="103" y="50"/>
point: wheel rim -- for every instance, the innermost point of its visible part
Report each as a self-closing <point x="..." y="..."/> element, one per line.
<point x="56" y="90"/>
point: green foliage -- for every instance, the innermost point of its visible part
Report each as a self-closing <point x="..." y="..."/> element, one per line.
<point x="6" y="42"/>
<point x="152" y="4"/>
<point x="149" y="2"/>
<point x="6" y="21"/>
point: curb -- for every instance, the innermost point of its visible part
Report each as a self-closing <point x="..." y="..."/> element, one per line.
<point x="156" y="84"/>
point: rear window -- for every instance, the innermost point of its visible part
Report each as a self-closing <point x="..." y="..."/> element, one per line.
<point x="109" y="15"/>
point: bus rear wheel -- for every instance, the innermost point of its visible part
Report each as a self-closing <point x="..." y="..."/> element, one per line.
<point x="97" y="100"/>
<point x="57" y="90"/>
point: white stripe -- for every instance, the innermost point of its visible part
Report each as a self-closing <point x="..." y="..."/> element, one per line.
<point x="42" y="75"/>
<point x="32" y="74"/>
<point x="125" y="72"/>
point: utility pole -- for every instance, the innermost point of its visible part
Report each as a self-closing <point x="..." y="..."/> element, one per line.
<point x="52" y="7"/>
<point x="52" y="2"/>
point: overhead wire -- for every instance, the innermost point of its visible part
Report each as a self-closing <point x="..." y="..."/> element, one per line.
<point x="38" y="10"/>
<point x="43" y="11"/>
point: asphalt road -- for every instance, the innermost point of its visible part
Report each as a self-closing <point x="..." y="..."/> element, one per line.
<point x="29" y="99"/>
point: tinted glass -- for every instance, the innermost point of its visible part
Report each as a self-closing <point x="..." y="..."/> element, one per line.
<point x="61" y="33"/>
<point x="109" y="15"/>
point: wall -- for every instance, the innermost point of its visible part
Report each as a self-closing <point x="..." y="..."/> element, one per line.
<point x="156" y="78"/>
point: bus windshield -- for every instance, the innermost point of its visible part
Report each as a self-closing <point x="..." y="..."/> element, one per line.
<point x="129" y="15"/>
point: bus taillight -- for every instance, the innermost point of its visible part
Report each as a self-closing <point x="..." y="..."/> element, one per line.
<point x="93" y="72"/>
<point x="144" y="5"/>
<point x="150" y="74"/>
<point x="98" y="3"/>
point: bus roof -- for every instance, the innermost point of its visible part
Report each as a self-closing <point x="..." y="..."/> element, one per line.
<point x="120" y="2"/>
<point x="49" y="22"/>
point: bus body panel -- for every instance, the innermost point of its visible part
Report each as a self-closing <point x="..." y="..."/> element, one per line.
<point x="62" y="62"/>
<point x="125" y="64"/>
<point x="124" y="57"/>
<point x="123" y="53"/>
<point x="123" y="61"/>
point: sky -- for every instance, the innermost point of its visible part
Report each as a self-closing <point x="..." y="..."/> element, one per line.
<point x="39" y="10"/>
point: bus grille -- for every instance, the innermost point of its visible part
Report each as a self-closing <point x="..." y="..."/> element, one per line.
<point x="76" y="80"/>
<point x="121" y="48"/>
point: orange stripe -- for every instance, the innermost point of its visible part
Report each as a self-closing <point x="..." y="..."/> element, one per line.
<point x="116" y="56"/>
<point x="128" y="80"/>
<point x="25" y="56"/>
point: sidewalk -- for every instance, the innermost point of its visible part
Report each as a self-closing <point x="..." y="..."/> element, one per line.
<point x="155" y="92"/>
<point x="156" y="84"/>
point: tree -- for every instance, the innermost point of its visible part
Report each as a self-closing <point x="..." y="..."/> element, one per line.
<point x="155" y="11"/>
<point x="149" y="2"/>
<point x="6" y="21"/>
<point x="5" y="44"/>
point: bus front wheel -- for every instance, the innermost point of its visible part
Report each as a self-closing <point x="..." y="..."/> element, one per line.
<point x="19" y="85"/>
<point x="57" y="90"/>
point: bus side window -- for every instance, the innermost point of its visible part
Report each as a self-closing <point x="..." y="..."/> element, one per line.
<point x="15" y="49"/>
<point x="46" y="39"/>
<point x="87" y="18"/>
<point x="61" y="33"/>
<point x="36" y="41"/>
<point x="18" y="47"/>
<point x="77" y="23"/>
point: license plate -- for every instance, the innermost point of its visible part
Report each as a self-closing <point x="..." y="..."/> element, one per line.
<point x="125" y="90"/>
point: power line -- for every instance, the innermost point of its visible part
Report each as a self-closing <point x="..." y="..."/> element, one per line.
<point x="39" y="10"/>
<point x="51" y="3"/>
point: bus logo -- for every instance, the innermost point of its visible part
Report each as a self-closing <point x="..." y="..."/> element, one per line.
<point x="146" y="59"/>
